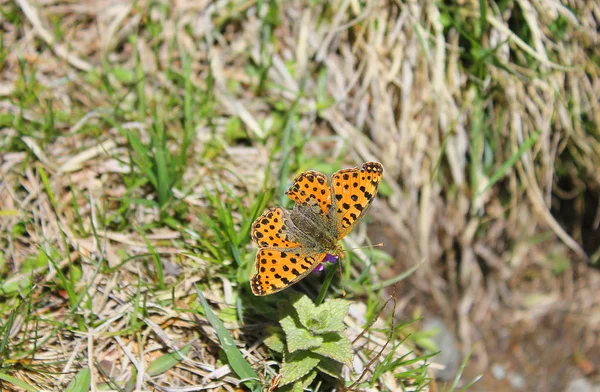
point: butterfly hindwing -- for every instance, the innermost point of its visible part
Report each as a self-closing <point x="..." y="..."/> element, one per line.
<point x="277" y="269"/>
<point x="353" y="192"/>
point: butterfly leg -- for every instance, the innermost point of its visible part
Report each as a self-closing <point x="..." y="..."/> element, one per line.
<point x="341" y="278"/>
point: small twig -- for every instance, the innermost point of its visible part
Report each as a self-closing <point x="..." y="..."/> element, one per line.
<point x="33" y="17"/>
<point x="368" y="366"/>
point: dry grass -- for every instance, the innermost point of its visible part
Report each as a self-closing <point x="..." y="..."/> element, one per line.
<point x="486" y="123"/>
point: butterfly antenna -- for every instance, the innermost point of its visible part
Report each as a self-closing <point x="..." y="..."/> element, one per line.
<point x="364" y="247"/>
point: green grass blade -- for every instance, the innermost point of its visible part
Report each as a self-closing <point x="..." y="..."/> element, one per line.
<point x="287" y="145"/>
<point x="401" y="277"/>
<point x="167" y="361"/>
<point x="161" y="157"/>
<point x="258" y="207"/>
<point x="527" y="144"/>
<point x="47" y="186"/>
<point x="141" y="158"/>
<point x="470" y="384"/>
<point x="482" y="18"/>
<point x="140" y="85"/>
<point x="237" y="361"/>
<point x="78" y="218"/>
<point x="17" y="382"/>
<point x="81" y="382"/>
<point x="460" y="372"/>
<point x="5" y="329"/>
<point x="326" y="284"/>
<point x="62" y="278"/>
<point x="155" y="257"/>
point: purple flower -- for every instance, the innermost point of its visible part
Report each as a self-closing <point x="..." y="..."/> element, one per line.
<point x="328" y="258"/>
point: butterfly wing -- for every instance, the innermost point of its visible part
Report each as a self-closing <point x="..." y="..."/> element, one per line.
<point x="271" y="231"/>
<point x="353" y="192"/>
<point x="311" y="187"/>
<point x="278" y="269"/>
<point x="282" y="260"/>
<point x="285" y="256"/>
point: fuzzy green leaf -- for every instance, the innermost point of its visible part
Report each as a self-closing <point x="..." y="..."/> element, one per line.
<point x="300" y="385"/>
<point x="330" y="367"/>
<point x="336" y="347"/>
<point x="304" y="306"/>
<point x="328" y="317"/>
<point x="297" y="337"/>
<point x="274" y="340"/>
<point x="297" y="365"/>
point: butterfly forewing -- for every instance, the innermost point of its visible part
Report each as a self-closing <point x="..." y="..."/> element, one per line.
<point x="270" y="230"/>
<point x="353" y="192"/>
<point x="311" y="187"/>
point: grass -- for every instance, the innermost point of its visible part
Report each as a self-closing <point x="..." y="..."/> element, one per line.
<point x="140" y="142"/>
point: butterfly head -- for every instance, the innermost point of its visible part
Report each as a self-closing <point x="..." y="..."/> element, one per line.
<point x="338" y="252"/>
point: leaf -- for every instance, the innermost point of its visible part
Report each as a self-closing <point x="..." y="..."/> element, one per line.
<point x="512" y="160"/>
<point x="328" y="317"/>
<point x="123" y="74"/>
<point x="237" y="361"/>
<point x="167" y="361"/>
<point x="300" y="385"/>
<point x="81" y="382"/>
<point x="297" y="365"/>
<point x="297" y="337"/>
<point x="325" y="286"/>
<point x="427" y="343"/>
<point x="336" y="347"/>
<point x="401" y="276"/>
<point x="330" y="367"/>
<point x="17" y="382"/>
<point x="18" y="284"/>
<point x="274" y="341"/>
<point x="303" y="305"/>
<point x="130" y="384"/>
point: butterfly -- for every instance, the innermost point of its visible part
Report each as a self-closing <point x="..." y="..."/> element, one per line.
<point x="293" y="242"/>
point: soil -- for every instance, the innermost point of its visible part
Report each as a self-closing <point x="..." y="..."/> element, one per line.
<point x="547" y="355"/>
<point x="541" y="352"/>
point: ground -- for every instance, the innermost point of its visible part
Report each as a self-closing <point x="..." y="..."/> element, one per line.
<point x="139" y="141"/>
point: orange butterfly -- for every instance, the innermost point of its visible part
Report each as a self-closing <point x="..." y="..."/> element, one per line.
<point x="293" y="242"/>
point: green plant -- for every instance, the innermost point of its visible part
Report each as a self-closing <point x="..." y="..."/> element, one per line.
<point x="313" y="342"/>
<point x="236" y="360"/>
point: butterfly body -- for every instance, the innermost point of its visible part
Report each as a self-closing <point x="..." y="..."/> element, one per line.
<point x="293" y="242"/>
<point x="317" y="230"/>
